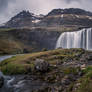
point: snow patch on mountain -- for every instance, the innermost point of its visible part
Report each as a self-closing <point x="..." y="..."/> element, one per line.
<point x="36" y="21"/>
<point x="62" y="16"/>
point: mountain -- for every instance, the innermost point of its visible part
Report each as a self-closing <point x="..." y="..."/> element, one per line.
<point x="35" y="32"/>
<point x="23" y="19"/>
<point x="76" y="11"/>
<point x="67" y="17"/>
<point x="57" y="17"/>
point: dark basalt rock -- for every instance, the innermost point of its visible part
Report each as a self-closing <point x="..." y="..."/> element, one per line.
<point x="22" y="19"/>
<point x="1" y="81"/>
<point x="70" y="11"/>
<point x="41" y="65"/>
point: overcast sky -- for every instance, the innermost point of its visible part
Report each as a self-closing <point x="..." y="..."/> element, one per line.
<point x="9" y="8"/>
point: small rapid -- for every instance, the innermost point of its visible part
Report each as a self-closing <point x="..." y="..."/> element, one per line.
<point x="7" y="79"/>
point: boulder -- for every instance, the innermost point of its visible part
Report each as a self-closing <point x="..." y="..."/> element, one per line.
<point x="41" y="65"/>
<point x="1" y="81"/>
<point x="83" y="66"/>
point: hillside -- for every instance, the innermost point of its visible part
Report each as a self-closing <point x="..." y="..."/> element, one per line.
<point x="61" y="70"/>
<point x="15" y="41"/>
<point x="23" y="19"/>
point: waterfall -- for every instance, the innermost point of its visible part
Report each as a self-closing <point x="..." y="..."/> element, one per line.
<point x="78" y="39"/>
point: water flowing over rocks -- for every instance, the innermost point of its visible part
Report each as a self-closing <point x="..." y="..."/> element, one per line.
<point x="78" y="39"/>
<point x="5" y="80"/>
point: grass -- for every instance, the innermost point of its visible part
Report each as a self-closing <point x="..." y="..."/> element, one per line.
<point x="13" y="69"/>
<point x="86" y="81"/>
<point x="8" y="47"/>
<point x="10" y="44"/>
<point x="6" y="29"/>
<point x="71" y="70"/>
<point x="24" y="64"/>
<point x="28" y="60"/>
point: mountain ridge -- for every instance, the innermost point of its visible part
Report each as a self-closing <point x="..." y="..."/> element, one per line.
<point x="57" y="17"/>
<point x="76" y="11"/>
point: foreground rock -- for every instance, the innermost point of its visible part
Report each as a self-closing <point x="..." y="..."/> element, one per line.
<point x="41" y="65"/>
<point x="1" y="81"/>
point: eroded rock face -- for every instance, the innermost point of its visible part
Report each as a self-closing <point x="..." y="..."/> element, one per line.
<point x="27" y="40"/>
<point x="41" y="65"/>
<point x="1" y="81"/>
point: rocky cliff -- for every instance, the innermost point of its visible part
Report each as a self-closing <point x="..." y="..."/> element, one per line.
<point x="27" y="40"/>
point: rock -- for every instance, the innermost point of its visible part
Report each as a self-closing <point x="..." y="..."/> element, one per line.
<point x="1" y="81"/>
<point x="41" y="65"/>
<point x="66" y="80"/>
<point x="89" y="57"/>
<point x="59" y="48"/>
<point x="83" y="66"/>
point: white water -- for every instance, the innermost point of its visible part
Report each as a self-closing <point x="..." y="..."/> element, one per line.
<point x="5" y="57"/>
<point x="78" y="39"/>
<point x="8" y="79"/>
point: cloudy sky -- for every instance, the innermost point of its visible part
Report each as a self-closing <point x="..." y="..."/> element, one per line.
<point x="9" y="8"/>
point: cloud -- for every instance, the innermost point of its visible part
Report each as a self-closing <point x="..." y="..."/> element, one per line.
<point x="9" y="8"/>
<point x="3" y="4"/>
<point x="69" y="1"/>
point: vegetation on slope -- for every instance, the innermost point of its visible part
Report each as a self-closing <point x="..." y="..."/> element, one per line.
<point x="15" y="41"/>
<point x="27" y="60"/>
<point x="69" y="70"/>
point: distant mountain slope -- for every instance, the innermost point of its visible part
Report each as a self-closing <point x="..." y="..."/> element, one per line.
<point x="55" y="18"/>
<point x="67" y="17"/>
<point x="76" y="11"/>
<point x="23" y="19"/>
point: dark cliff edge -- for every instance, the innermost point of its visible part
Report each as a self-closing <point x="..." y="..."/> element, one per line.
<point x="16" y="41"/>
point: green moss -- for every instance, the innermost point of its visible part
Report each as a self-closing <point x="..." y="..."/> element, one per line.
<point x="88" y="69"/>
<point x="5" y="62"/>
<point x="70" y="88"/>
<point x="6" y="29"/>
<point x="86" y="81"/>
<point x="13" y="69"/>
<point x="86" y="85"/>
<point x="32" y="67"/>
<point x="53" y="57"/>
<point x="71" y="70"/>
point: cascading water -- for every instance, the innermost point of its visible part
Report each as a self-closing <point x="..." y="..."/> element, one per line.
<point x="78" y="39"/>
<point x="7" y="79"/>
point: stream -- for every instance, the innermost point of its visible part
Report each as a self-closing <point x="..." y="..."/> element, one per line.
<point x="7" y="87"/>
<point x="20" y="83"/>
